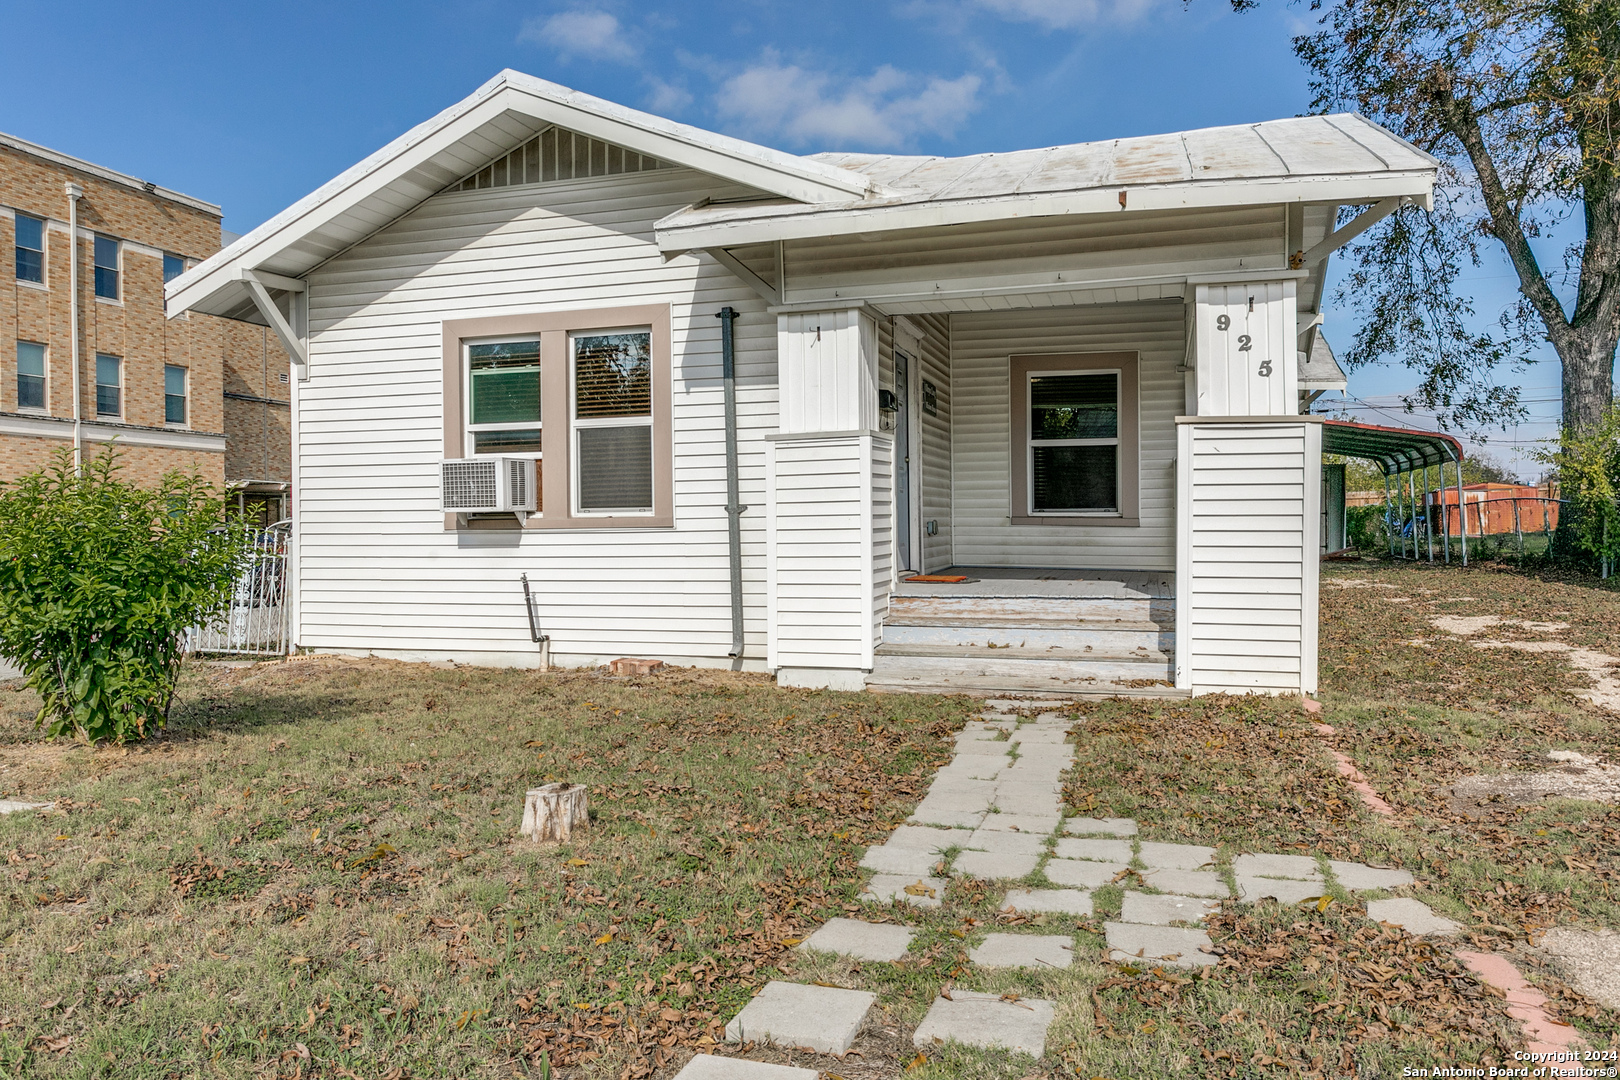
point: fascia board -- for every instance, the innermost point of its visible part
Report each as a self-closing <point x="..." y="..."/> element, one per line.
<point x="812" y="223"/>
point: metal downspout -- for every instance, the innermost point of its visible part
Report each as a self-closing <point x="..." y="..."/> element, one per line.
<point x="734" y="507"/>
<point x="74" y="194"/>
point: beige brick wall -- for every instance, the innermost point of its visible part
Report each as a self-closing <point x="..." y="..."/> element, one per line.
<point x="134" y="328"/>
<point x="143" y="465"/>
<point x="258" y="433"/>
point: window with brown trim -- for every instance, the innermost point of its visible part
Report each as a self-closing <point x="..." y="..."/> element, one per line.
<point x="1074" y="439"/>
<point x="587" y="393"/>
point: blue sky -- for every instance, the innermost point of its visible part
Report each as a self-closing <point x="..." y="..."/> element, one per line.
<point x="252" y="106"/>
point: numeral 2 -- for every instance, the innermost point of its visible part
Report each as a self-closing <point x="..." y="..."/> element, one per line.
<point x="1245" y="343"/>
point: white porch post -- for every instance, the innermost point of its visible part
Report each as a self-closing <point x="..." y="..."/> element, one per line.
<point x="830" y="504"/>
<point x="1247" y="500"/>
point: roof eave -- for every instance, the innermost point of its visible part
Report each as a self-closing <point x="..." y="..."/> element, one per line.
<point x="815" y="222"/>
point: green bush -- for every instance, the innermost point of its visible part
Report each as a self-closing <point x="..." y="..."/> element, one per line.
<point x="99" y="580"/>
<point x="1365" y="529"/>
<point x="1588" y="464"/>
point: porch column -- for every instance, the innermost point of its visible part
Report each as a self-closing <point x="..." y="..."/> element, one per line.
<point x="829" y="501"/>
<point x="1248" y="500"/>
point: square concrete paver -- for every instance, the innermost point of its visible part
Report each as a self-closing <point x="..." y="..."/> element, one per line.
<point x="924" y="838"/>
<point x="993" y="865"/>
<point x="928" y="891"/>
<point x="1357" y="876"/>
<point x="709" y="1067"/>
<point x="862" y="940"/>
<point x="1024" y="951"/>
<point x="974" y="1019"/>
<point x="1041" y="825"/>
<point x="892" y="860"/>
<point x="1082" y="873"/>
<point x="1186" y="882"/>
<point x="927" y="814"/>
<point x="1025" y="799"/>
<point x="1413" y="916"/>
<point x="1108" y="826"/>
<point x="1098" y="850"/>
<point x="1007" y="843"/>
<point x="1175" y="856"/>
<point x="823" y="1018"/>
<point x="1164" y="909"/>
<point x="1298" y="867"/>
<point x="1282" y="890"/>
<point x="1060" y="901"/>
<point x="1158" y="944"/>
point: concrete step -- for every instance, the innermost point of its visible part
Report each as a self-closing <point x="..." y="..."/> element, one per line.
<point x="1048" y="669"/>
<point x="1003" y="684"/>
<point x="1096" y="637"/>
<point x="988" y="610"/>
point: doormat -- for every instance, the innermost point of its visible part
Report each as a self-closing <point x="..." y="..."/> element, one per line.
<point x="938" y="579"/>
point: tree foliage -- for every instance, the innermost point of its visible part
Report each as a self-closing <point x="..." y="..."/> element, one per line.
<point x="1520" y="100"/>
<point x="99" y="580"/>
<point x="1588" y="464"/>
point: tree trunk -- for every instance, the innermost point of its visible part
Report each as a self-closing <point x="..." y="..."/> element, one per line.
<point x="552" y="813"/>
<point x="1588" y="368"/>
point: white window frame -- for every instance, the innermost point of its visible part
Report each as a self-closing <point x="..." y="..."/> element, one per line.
<point x="469" y="428"/>
<point x="1030" y="442"/>
<point x="44" y="281"/>
<point x="45" y="348"/>
<point x="118" y="247"/>
<point x="576" y="425"/>
<point x="123" y="395"/>
<point x="186" y="395"/>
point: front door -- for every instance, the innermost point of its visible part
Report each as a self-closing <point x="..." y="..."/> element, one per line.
<point x="904" y="515"/>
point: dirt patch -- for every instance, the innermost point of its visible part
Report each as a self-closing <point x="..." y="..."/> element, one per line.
<point x="1573" y="776"/>
<point x="1590" y="959"/>
<point x="1466" y="625"/>
<point x="1597" y="666"/>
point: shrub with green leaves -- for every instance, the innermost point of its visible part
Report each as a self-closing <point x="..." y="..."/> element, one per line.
<point x="99" y="581"/>
<point x="1588" y="464"/>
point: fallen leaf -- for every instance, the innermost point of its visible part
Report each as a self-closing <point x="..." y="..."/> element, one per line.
<point x="136" y="801"/>
<point x="917" y="1062"/>
<point x="577" y="862"/>
<point x="298" y="960"/>
<point x="605" y="938"/>
<point x="919" y="889"/>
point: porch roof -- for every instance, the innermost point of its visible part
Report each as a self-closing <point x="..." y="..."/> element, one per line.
<point x="1394" y="449"/>
<point x="1338" y="159"/>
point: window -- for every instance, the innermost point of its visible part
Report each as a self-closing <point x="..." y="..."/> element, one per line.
<point x="109" y="385"/>
<point x="174" y="394"/>
<point x="30" y="249"/>
<point x="1074" y="443"/>
<point x="1074" y="449"/>
<point x="30" y="375"/>
<point x="106" y="268"/>
<point x="613" y="423"/>
<point x="173" y="267"/>
<point x="503" y="397"/>
<point x="589" y="392"/>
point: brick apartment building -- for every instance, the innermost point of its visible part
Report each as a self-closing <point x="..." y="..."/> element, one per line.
<point x="193" y="392"/>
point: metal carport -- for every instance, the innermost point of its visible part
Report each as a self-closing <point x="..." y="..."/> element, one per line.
<point x="1397" y="451"/>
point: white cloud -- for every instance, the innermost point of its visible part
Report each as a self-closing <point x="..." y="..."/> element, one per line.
<point x="1070" y="14"/>
<point x="666" y="99"/>
<point x="885" y="110"/>
<point x="585" y="33"/>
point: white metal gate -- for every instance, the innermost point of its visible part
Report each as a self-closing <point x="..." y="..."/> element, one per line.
<point x="257" y="623"/>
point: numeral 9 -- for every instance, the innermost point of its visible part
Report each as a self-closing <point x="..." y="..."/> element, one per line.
<point x="1223" y="322"/>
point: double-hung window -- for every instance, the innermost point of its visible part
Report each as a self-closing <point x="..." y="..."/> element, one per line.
<point x="30" y="249"/>
<point x="30" y="375"/>
<point x="107" y="268"/>
<point x="613" y="423"/>
<point x="1074" y="439"/>
<point x="503" y="397"/>
<point x="174" y="394"/>
<point x="109" y="385"/>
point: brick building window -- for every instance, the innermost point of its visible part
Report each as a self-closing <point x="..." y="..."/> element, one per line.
<point x="174" y="394"/>
<point x="30" y="375"/>
<point x="106" y="268"/>
<point x="173" y="267"/>
<point x="30" y="249"/>
<point x="109" y="385"/>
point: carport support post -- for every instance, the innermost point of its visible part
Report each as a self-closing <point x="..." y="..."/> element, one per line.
<point x="1445" y="515"/>
<point x="1462" y="512"/>
<point x="1428" y="524"/>
<point x="1389" y="519"/>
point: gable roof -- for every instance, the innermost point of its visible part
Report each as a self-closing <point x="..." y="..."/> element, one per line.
<point x="499" y="115"/>
<point x="1342" y="158"/>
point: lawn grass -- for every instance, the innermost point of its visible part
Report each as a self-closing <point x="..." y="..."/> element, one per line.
<point x="314" y="873"/>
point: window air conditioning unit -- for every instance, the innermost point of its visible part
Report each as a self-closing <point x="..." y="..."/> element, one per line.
<point x="487" y="485"/>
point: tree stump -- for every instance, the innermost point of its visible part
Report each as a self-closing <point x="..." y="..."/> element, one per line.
<point x="552" y="813"/>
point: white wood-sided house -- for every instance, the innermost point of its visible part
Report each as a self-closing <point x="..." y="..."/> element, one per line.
<point x="1074" y="376"/>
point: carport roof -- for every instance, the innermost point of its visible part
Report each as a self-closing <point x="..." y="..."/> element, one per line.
<point x="1394" y="449"/>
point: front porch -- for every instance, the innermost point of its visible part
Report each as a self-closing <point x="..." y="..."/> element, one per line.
<point x="1031" y="631"/>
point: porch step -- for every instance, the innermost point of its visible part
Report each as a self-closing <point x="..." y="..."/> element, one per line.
<point x="1051" y="668"/>
<point x="996" y="684"/>
<point x="1020" y="609"/>
<point x="1091" y="637"/>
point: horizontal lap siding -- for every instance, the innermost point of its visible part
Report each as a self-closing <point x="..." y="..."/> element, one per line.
<point x="821" y="497"/>
<point x="1248" y="584"/>
<point x="981" y="433"/>
<point x="377" y="569"/>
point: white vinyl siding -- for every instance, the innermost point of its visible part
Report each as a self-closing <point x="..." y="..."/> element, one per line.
<point x="980" y="419"/>
<point x="379" y="571"/>
<point x="1247" y="579"/>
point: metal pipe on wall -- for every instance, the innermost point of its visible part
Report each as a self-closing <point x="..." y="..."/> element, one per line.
<point x="74" y="194"/>
<point x="734" y="506"/>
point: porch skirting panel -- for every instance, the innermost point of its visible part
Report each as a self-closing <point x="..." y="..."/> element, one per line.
<point x="828" y="567"/>
<point x="1248" y="490"/>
